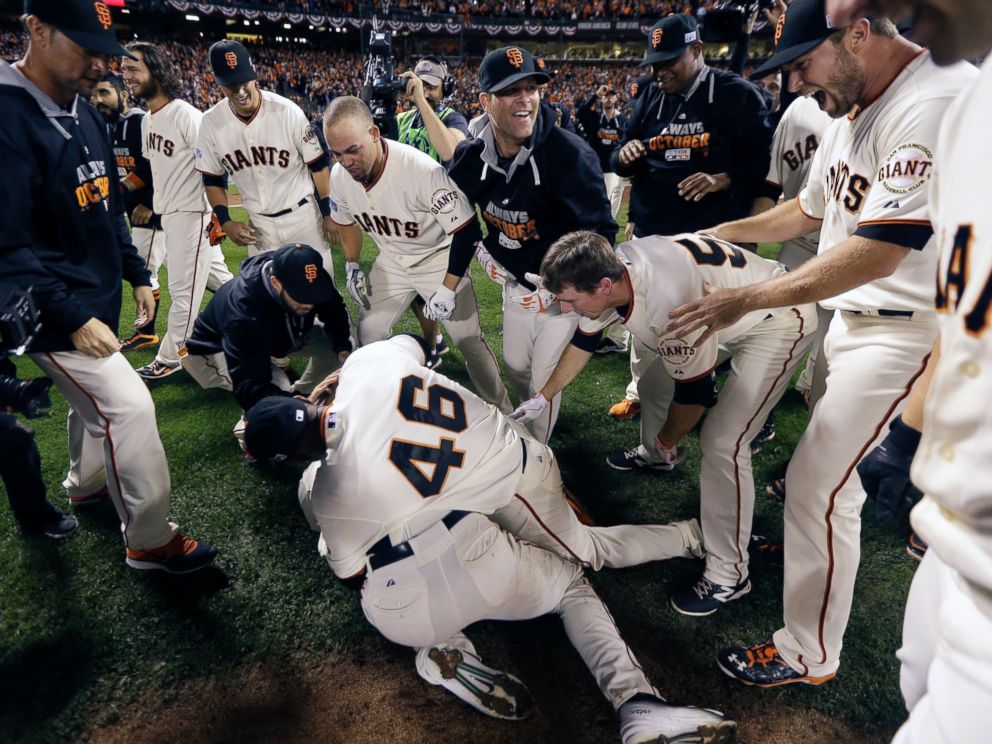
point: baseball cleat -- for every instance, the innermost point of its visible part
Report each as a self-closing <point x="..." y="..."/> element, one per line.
<point x="692" y="535"/>
<point x="139" y="341"/>
<point x="646" y="719"/>
<point x="609" y="346"/>
<point x="90" y="499"/>
<point x="625" y="410"/>
<point x="634" y="459"/>
<point x="766" y="435"/>
<point x="777" y="489"/>
<point x="766" y="548"/>
<point x="489" y="691"/>
<point x="915" y="547"/>
<point x="761" y="665"/>
<point x="158" y="370"/>
<point x="181" y="555"/>
<point x="704" y="597"/>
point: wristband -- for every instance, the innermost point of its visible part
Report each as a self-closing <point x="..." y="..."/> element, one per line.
<point x="903" y="437"/>
<point x="324" y="205"/>
<point x="222" y="213"/>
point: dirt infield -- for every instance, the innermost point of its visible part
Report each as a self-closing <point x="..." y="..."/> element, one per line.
<point x="358" y="701"/>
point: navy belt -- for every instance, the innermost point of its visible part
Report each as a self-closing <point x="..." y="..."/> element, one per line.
<point x="299" y="204"/>
<point x="523" y="446"/>
<point x="383" y="553"/>
<point x="884" y="313"/>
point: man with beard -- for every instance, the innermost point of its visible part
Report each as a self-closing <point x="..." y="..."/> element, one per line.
<point x="869" y="193"/>
<point x="431" y="126"/>
<point x="168" y="136"/>
<point x="945" y="654"/>
<point x="124" y="122"/>
<point x="266" y="145"/>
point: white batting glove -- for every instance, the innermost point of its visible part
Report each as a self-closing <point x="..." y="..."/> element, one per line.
<point x="539" y="300"/>
<point x="530" y="409"/>
<point x="669" y="455"/>
<point x="358" y="284"/>
<point x="441" y="304"/>
<point x="491" y="266"/>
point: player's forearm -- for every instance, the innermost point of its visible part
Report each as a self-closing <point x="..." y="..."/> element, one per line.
<point x="682" y="418"/>
<point x="572" y="361"/>
<point x="351" y="242"/>
<point x="784" y="222"/>
<point x="322" y="182"/>
<point x="913" y="414"/>
<point x="216" y="196"/>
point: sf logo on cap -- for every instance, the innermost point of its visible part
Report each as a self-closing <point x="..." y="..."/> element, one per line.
<point x="103" y="15"/>
<point x="656" y="37"/>
<point x="515" y="56"/>
<point x="232" y="60"/>
<point x="778" y="28"/>
<point x="310" y="271"/>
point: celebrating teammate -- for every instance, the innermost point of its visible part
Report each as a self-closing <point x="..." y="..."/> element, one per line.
<point x="413" y="212"/>
<point x="267" y="147"/>
<point x="377" y="505"/>
<point x="111" y="101"/>
<point x="637" y="286"/>
<point x="868" y="191"/>
<point x="168" y="136"/>
<point x="533" y="182"/>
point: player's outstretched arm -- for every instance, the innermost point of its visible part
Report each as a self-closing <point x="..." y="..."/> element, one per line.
<point x="571" y="362"/>
<point x="783" y="222"/>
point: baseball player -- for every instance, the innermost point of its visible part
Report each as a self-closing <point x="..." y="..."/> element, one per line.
<point x="603" y="124"/>
<point x="868" y="192"/>
<point x="268" y="148"/>
<point x="63" y="233"/>
<point x="413" y="212"/>
<point x="111" y="101"/>
<point x="945" y="651"/>
<point x="168" y="137"/>
<point x="637" y="286"/>
<point x="514" y="170"/>
<point x="415" y="480"/>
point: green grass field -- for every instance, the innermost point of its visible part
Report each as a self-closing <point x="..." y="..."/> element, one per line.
<point x="86" y="642"/>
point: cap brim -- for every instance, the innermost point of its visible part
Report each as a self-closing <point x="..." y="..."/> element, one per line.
<point x="430" y="79"/>
<point x="97" y="43"/>
<point x="322" y="290"/>
<point x="543" y="77"/>
<point x="236" y="79"/>
<point x="785" y="56"/>
<point x="661" y="57"/>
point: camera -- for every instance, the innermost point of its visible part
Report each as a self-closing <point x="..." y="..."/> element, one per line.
<point x="18" y="325"/>
<point x="381" y="85"/>
<point x="725" y="24"/>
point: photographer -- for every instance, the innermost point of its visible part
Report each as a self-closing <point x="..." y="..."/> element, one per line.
<point x="432" y="126"/>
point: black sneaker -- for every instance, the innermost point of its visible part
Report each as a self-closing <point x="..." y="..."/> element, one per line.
<point x="766" y="435"/>
<point x="704" y="597"/>
<point x="634" y="459"/>
<point x="609" y="346"/>
<point x="761" y="665"/>
<point x="55" y="524"/>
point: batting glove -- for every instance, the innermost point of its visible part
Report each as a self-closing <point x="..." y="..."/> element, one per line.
<point x="669" y="455"/>
<point x="492" y="268"/>
<point x="539" y="300"/>
<point x="885" y="470"/>
<point x="358" y="285"/>
<point x="441" y="304"/>
<point x="530" y="409"/>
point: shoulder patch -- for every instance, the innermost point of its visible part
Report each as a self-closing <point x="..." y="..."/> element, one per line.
<point x="906" y="169"/>
<point x="444" y="201"/>
<point x="676" y="352"/>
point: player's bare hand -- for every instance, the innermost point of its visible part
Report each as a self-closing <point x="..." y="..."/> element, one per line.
<point x="359" y="286"/>
<point x="602" y="90"/>
<point x="144" y="305"/>
<point x="530" y="409"/>
<point x="628" y="231"/>
<point x="95" y="339"/>
<point x="414" y="87"/>
<point x="324" y="392"/>
<point x="632" y="151"/>
<point x="775" y="12"/>
<point x="718" y="309"/>
<point x="698" y="185"/>
<point x="141" y="215"/>
<point x="441" y="304"/>
<point x="330" y="228"/>
<point x="239" y="232"/>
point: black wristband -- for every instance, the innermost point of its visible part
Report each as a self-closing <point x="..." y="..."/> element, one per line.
<point x="903" y="437"/>
<point x="223" y="214"/>
<point x="324" y="205"/>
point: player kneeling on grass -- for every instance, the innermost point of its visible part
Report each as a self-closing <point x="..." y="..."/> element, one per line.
<point x="637" y="285"/>
<point x="446" y="513"/>
<point x="281" y="304"/>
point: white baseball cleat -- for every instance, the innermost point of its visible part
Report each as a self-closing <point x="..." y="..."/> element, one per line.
<point x="489" y="691"/>
<point x="646" y="719"/>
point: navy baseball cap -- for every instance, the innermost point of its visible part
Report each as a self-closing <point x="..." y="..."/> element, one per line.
<point x="231" y="63"/>
<point x="275" y="426"/>
<point x="87" y="23"/>
<point x="800" y="29"/>
<point x="669" y="37"/>
<point x="502" y="67"/>
<point x="301" y="271"/>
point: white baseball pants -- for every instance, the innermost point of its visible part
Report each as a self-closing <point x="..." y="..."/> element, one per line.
<point x="614" y="191"/>
<point x="151" y="247"/>
<point x="302" y="225"/>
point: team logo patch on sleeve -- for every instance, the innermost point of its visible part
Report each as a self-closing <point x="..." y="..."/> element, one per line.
<point x="906" y="169"/>
<point x="443" y="201"/>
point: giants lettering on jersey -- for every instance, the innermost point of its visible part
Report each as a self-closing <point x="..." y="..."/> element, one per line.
<point x="847" y="188"/>
<point x="94" y="185"/>
<point x="801" y="152"/>
<point x="951" y="288"/>
<point x="676" y="352"/>
<point x="516" y="225"/>
<point x="389" y="227"/>
<point x="237" y="160"/>
<point x="157" y="142"/>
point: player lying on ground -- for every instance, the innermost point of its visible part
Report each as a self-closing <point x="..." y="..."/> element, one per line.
<point x="400" y="497"/>
<point x="637" y="285"/>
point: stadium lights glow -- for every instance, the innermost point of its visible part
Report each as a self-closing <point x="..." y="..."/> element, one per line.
<point x="247" y="23"/>
<point x="287" y="25"/>
<point x="311" y="28"/>
<point x="257" y="23"/>
<point x="191" y="17"/>
<point x="125" y="11"/>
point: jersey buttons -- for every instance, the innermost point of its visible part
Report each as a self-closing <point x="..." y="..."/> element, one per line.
<point x="947" y="452"/>
<point x="971" y="369"/>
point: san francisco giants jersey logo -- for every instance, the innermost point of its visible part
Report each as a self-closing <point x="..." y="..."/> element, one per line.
<point x="801" y="152"/>
<point x="656" y="37"/>
<point x="103" y="15"/>
<point x="515" y="56"/>
<point x="231" y="59"/>
<point x="951" y="287"/>
<point x="260" y="156"/>
<point x="161" y="144"/>
<point x="388" y="227"/>
<point x="847" y="188"/>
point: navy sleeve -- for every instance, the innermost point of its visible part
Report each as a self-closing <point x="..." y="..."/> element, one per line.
<point x="249" y="364"/>
<point x="337" y="324"/>
<point x="584" y="193"/>
<point x="631" y="131"/>
<point x="462" y="248"/>
<point x="585" y="341"/>
<point x="586" y="116"/>
<point x="133" y="266"/>
<point x="751" y="134"/>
